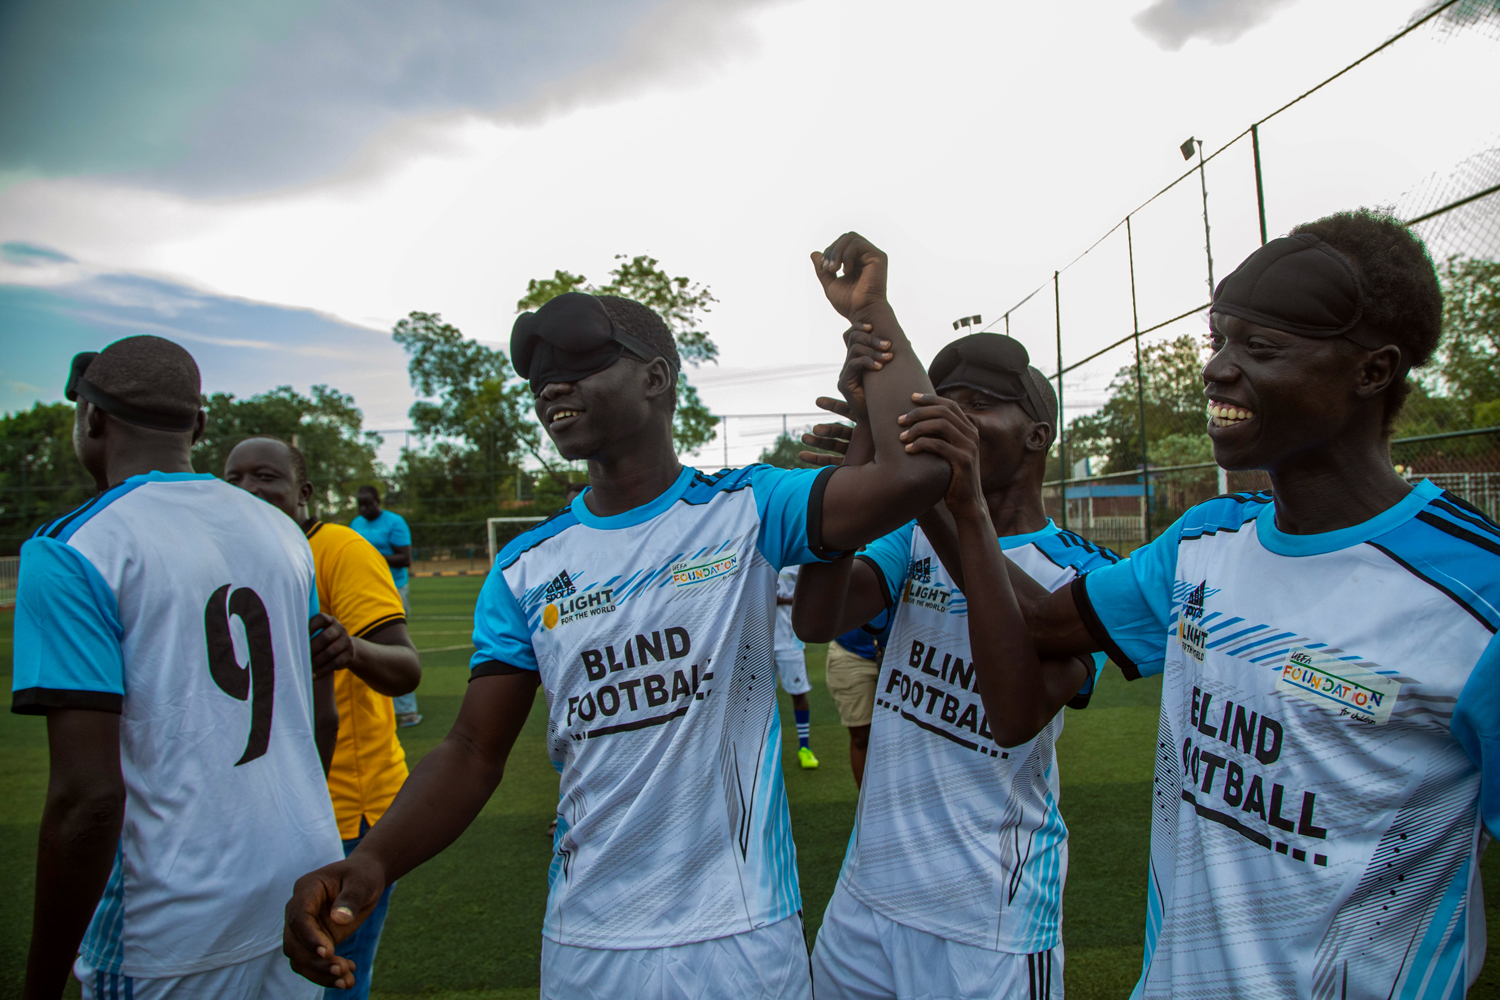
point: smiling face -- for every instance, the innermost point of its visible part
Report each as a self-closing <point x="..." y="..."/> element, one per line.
<point x="1273" y="395"/>
<point x="264" y="468"/>
<point x="1008" y="437"/>
<point x="608" y="412"/>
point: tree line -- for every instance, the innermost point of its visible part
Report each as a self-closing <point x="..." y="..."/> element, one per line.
<point x="478" y="450"/>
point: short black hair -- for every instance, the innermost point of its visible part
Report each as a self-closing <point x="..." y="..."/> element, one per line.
<point x="299" y="461"/>
<point x="150" y="373"/>
<point x="1403" y="301"/>
<point x="370" y="490"/>
<point x="643" y="323"/>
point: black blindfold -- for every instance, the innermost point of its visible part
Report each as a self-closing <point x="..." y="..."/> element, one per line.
<point x="997" y="365"/>
<point x="569" y="338"/>
<point x="79" y="387"/>
<point x="1301" y="285"/>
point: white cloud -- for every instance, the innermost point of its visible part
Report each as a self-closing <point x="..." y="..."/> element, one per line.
<point x="1173" y="23"/>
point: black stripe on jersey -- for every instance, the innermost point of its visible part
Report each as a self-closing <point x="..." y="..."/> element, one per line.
<point x="313" y="529"/>
<point x="885" y="591"/>
<point x="381" y="623"/>
<point x="815" y="516"/>
<point x="55" y="528"/>
<point x="1099" y="632"/>
<point x="966" y="744"/>
<point x="1449" y="501"/>
<point x="494" y="668"/>
<point x="625" y="727"/>
<point x="1224" y="819"/>
<point x="40" y="701"/>
<point x="1477" y="518"/>
<point x="1093" y="547"/>
<point x="1427" y="579"/>
<point x="1226" y="529"/>
<point x="1457" y="531"/>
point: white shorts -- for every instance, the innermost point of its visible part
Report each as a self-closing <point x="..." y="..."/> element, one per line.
<point x="267" y="977"/>
<point x="765" y="964"/>
<point x="791" y="670"/>
<point x="861" y="955"/>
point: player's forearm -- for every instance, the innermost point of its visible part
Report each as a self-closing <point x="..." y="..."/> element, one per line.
<point x="438" y="801"/>
<point x="79" y="833"/>
<point x="895" y="486"/>
<point x="392" y="669"/>
<point x="942" y="534"/>
<point x="399" y="559"/>
<point x="1018" y="696"/>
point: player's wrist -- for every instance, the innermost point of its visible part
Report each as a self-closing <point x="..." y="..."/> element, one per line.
<point x="879" y="314"/>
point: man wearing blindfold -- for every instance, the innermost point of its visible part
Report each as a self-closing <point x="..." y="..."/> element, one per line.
<point x="644" y="610"/>
<point x="1329" y="756"/>
<point x="952" y="884"/>
<point x="162" y="629"/>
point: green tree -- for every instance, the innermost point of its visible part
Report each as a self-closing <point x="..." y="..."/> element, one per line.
<point x="1173" y="389"/>
<point x="40" y="478"/>
<point x="1469" y="355"/>
<point x="327" y="426"/>
<point x="682" y="302"/>
<point x="783" y="454"/>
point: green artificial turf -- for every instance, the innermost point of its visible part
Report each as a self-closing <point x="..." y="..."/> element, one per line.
<point x="467" y="924"/>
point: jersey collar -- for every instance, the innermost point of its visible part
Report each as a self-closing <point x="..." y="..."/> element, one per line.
<point x="635" y="515"/>
<point x="1283" y="544"/>
<point x="169" y="477"/>
<point x="1016" y="541"/>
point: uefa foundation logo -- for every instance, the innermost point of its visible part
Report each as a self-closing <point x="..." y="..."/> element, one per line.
<point x="689" y="574"/>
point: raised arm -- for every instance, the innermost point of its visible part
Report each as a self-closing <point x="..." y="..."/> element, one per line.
<point x="1024" y="678"/>
<point x="439" y="800"/>
<point x="870" y="499"/>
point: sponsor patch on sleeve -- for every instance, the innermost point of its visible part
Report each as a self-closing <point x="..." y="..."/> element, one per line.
<point x="1349" y="689"/>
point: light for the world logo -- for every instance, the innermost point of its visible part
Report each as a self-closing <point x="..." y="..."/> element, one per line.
<point x="549" y="616"/>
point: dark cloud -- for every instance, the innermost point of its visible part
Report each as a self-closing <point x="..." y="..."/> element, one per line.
<point x="207" y="98"/>
<point x="1172" y="23"/>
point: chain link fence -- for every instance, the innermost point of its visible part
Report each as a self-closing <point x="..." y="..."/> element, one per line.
<point x="1125" y="324"/>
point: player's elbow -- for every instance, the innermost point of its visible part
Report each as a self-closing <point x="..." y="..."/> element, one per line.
<point x="922" y="480"/>
<point x="85" y="807"/>
<point x="814" y="628"/>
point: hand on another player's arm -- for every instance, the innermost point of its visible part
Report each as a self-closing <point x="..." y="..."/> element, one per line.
<point x="80" y="832"/>
<point x="438" y="801"/>
<point x="864" y="501"/>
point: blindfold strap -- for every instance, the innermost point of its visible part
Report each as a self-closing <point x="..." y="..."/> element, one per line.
<point x="130" y="413"/>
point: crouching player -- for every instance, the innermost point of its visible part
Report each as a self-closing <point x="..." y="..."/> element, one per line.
<point x="1329" y="754"/>
<point x="162" y="629"/>
<point x="365" y="645"/>
<point x="952" y="884"/>
<point x="644" y="611"/>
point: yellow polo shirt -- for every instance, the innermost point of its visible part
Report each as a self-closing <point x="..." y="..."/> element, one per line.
<point x="354" y="586"/>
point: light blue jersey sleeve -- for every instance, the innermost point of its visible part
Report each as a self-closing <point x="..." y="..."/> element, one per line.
<point x="67" y="634"/>
<point x="1127" y="606"/>
<point x="891" y="557"/>
<point x="790" y="504"/>
<point x="502" y="636"/>
<point x="400" y="533"/>
<point x="1476" y="726"/>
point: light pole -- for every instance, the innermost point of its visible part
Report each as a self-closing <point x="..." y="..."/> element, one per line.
<point x="1187" y="154"/>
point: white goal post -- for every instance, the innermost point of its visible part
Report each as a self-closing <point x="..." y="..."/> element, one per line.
<point x="489" y="530"/>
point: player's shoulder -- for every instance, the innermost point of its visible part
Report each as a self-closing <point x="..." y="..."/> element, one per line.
<point x="537" y="535"/>
<point x="1068" y="548"/>
<point x="1224" y="514"/>
<point x="1453" y="546"/>
<point x="704" y="487"/>
<point x="154" y="496"/>
<point x="329" y="540"/>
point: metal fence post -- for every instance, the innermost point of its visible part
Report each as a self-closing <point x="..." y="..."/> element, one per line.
<point x="1140" y="393"/>
<point x="1062" y="440"/>
<point x="1260" y="190"/>
<point x="724" y="423"/>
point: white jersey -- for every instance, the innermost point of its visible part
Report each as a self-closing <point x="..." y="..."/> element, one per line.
<point x="652" y="633"/>
<point x="1329" y="729"/>
<point x="955" y="836"/>
<point x="787" y="643"/>
<point x="181" y="603"/>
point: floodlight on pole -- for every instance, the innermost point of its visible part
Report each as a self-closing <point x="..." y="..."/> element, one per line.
<point x="967" y="321"/>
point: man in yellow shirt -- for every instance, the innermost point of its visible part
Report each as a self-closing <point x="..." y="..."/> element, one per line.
<point x="376" y="660"/>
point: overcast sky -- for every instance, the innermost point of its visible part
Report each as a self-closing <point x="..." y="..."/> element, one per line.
<point x="275" y="184"/>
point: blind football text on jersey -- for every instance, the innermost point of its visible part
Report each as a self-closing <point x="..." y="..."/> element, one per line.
<point x="182" y="603"/>
<point x="955" y="836"/>
<point x="1330" y="721"/>
<point x="652" y="632"/>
